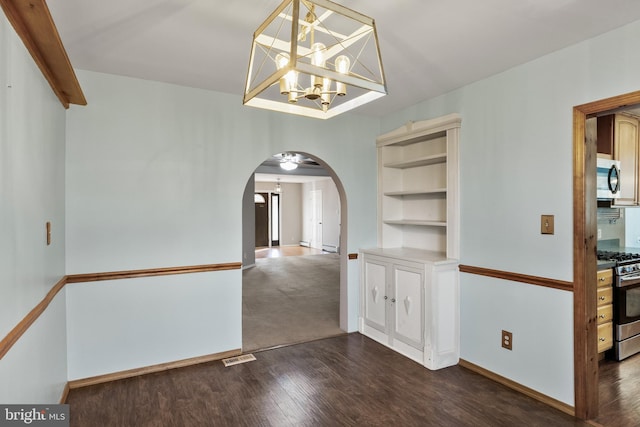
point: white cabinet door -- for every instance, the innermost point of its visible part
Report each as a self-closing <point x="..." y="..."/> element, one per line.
<point x="407" y="305"/>
<point x="412" y="306"/>
<point x="375" y="293"/>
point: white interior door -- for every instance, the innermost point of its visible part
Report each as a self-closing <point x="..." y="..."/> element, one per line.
<point x="316" y="219"/>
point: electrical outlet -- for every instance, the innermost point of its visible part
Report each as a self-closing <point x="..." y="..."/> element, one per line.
<point x="507" y="340"/>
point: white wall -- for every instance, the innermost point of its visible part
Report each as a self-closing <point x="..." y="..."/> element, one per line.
<point x="155" y="178"/>
<point x="330" y="211"/>
<point x="249" y="224"/>
<point x="516" y="164"/>
<point x="32" y="133"/>
<point x="118" y="325"/>
<point x="291" y="221"/>
<point x="290" y="210"/>
<point x="632" y="227"/>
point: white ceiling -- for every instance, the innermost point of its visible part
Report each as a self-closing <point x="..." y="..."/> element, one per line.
<point x="286" y="178"/>
<point x="428" y="47"/>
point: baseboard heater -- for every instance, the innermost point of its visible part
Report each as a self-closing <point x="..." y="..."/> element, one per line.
<point x="304" y="243"/>
<point x="330" y="248"/>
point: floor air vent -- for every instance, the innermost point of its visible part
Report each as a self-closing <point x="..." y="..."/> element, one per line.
<point x="238" y="359"/>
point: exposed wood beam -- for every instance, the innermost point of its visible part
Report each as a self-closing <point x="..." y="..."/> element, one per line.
<point x="33" y="23"/>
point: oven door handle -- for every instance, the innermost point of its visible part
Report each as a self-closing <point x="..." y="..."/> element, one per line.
<point x="632" y="278"/>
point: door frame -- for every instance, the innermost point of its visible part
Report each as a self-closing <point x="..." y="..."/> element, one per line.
<point x="584" y="254"/>
<point x="317" y="230"/>
<point x="267" y="202"/>
<point x="278" y="221"/>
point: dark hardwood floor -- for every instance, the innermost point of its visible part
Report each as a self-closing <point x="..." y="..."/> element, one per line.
<point x="619" y="392"/>
<point x="342" y="381"/>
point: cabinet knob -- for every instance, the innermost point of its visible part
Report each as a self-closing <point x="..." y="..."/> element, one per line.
<point x="386" y="297"/>
<point x="603" y="316"/>
<point x="602" y="339"/>
<point x="602" y="298"/>
<point x="602" y="279"/>
<point x="393" y="300"/>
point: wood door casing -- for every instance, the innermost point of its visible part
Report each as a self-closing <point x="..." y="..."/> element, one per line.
<point x="584" y="253"/>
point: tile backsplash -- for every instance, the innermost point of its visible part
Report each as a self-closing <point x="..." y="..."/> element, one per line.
<point x="611" y="225"/>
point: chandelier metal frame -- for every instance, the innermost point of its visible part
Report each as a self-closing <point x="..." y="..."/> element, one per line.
<point x="332" y="47"/>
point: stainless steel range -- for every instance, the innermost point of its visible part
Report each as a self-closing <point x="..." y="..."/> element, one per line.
<point x="626" y="303"/>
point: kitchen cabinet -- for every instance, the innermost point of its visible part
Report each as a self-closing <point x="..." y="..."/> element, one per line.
<point x="618" y="138"/>
<point x="409" y="302"/>
<point x="604" y="303"/>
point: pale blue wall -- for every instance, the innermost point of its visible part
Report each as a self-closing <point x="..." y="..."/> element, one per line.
<point x="155" y="175"/>
<point x="155" y="178"/>
<point x="516" y="164"/>
<point x="32" y="123"/>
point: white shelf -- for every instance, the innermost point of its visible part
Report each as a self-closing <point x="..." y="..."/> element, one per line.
<point x="422" y="161"/>
<point x="418" y="186"/>
<point x="442" y="191"/>
<point x="415" y="222"/>
<point x="418" y="244"/>
<point x="411" y="254"/>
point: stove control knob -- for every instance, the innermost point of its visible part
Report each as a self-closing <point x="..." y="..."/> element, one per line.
<point x="623" y="269"/>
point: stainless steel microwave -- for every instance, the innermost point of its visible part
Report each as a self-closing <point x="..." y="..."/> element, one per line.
<point x="608" y="179"/>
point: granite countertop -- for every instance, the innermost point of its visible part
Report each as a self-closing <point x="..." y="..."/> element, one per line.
<point x="602" y="264"/>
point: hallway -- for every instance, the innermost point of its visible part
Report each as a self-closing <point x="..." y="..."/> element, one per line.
<point x="290" y="299"/>
<point x="282" y="251"/>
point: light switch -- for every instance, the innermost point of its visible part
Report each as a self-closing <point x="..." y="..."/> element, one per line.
<point x="546" y="224"/>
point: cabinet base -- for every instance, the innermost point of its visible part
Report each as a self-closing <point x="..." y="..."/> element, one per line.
<point x="429" y="361"/>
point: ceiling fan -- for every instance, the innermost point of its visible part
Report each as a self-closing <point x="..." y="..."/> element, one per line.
<point x="290" y="161"/>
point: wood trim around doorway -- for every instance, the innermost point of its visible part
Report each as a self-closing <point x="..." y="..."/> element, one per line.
<point x="584" y="254"/>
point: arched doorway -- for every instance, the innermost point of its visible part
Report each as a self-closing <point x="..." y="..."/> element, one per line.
<point x="290" y="299"/>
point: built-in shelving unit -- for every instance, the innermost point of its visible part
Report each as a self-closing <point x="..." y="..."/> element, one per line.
<point x="409" y="283"/>
<point x="418" y="200"/>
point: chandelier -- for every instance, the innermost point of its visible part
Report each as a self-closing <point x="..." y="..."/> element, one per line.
<point x="314" y="58"/>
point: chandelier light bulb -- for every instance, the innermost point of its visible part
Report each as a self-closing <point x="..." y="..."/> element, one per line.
<point x="282" y="60"/>
<point x="342" y="65"/>
<point x="289" y="82"/>
<point x="317" y="59"/>
<point x="325" y="98"/>
<point x="317" y="54"/>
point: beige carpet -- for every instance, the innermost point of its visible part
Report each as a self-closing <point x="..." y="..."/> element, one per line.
<point x="289" y="300"/>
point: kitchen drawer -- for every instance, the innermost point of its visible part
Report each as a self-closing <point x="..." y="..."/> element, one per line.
<point x="605" y="314"/>
<point x="605" y="336"/>
<point x="605" y="296"/>
<point x="605" y="277"/>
